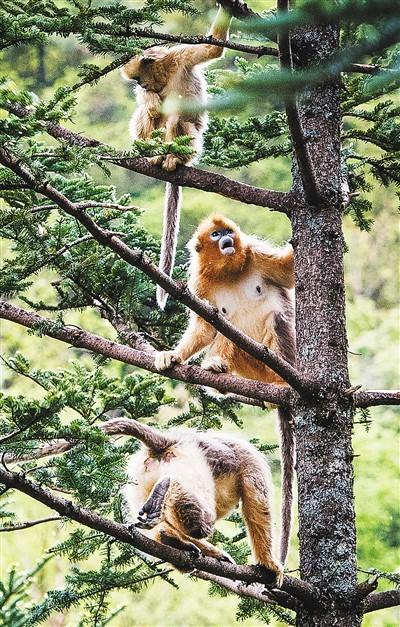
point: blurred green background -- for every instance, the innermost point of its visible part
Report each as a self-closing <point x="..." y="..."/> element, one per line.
<point x="103" y="112"/>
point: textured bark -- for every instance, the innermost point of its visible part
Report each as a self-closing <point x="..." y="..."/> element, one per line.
<point x="323" y="427"/>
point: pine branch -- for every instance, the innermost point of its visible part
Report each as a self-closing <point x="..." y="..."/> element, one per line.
<point x="182" y="559"/>
<point x="371" y="398"/>
<point x="275" y="597"/>
<point x="139" y="260"/>
<point x="184" y="176"/>
<point x="30" y="523"/>
<point x="381" y="600"/>
<point x="303" y="156"/>
<point x="225" y="383"/>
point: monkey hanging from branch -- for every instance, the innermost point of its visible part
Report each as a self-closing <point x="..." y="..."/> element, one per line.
<point x="183" y="481"/>
<point x="251" y="283"/>
<point x="173" y="73"/>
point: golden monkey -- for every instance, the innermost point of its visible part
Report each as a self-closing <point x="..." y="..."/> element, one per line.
<point x="251" y="283"/>
<point x="183" y="481"/>
<point x="174" y="72"/>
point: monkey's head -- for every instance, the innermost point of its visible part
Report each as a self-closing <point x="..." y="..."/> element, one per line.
<point x="148" y="69"/>
<point x="219" y="244"/>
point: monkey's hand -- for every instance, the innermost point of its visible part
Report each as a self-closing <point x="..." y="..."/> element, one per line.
<point x="151" y="513"/>
<point x="215" y="364"/>
<point x="166" y="359"/>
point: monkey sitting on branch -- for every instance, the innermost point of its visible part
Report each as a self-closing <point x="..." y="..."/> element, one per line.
<point x="183" y="481"/>
<point x="250" y="282"/>
<point x="173" y="73"/>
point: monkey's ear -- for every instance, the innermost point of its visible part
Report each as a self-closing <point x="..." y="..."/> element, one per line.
<point x="198" y="247"/>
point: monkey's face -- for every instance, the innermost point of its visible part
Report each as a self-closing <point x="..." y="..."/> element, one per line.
<point x="219" y="242"/>
<point x="225" y="238"/>
<point x="148" y="69"/>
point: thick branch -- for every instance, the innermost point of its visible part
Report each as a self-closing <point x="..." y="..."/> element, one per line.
<point x="380" y="600"/>
<point x="29" y="523"/>
<point x="303" y="156"/>
<point x="252" y="574"/>
<point x="139" y="260"/>
<point x="184" y="176"/>
<point x="370" y="398"/>
<point x="225" y="383"/>
<point x="255" y="591"/>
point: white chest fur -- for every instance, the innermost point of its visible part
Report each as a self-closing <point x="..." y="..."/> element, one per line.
<point x="248" y="303"/>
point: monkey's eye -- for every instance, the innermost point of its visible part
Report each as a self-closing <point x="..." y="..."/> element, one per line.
<point x="215" y="235"/>
<point x="229" y="231"/>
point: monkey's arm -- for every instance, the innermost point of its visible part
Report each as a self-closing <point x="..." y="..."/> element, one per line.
<point x="276" y="264"/>
<point x="197" y="336"/>
<point x="193" y="54"/>
<point x="143" y="121"/>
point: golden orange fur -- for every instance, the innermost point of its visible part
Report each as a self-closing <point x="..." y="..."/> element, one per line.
<point x="250" y="282"/>
<point x="250" y="287"/>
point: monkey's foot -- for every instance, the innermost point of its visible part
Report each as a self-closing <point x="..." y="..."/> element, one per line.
<point x="215" y="364"/>
<point x="151" y="513"/>
<point x="225" y="557"/>
<point x="156" y="160"/>
<point x="177" y="543"/>
<point x="165" y="359"/>
<point x="171" y="162"/>
<point x="277" y="568"/>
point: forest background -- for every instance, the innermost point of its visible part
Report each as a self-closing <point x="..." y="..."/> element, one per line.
<point x="372" y="264"/>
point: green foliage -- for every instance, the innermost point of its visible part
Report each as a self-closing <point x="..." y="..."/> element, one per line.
<point x="51" y="264"/>
<point x="14" y="595"/>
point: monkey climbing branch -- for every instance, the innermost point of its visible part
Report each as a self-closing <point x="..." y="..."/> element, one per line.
<point x="252" y="574"/>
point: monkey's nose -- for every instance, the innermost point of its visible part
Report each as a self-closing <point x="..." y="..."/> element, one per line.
<point x="226" y="245"/>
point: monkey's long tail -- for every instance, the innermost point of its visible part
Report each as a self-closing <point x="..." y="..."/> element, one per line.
<point x="154" y="439"/>
<point x="288" y="460"/>
<point x="172" y="212"/>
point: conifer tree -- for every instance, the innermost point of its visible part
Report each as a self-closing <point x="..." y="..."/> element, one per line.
<point x="318" y="65"/>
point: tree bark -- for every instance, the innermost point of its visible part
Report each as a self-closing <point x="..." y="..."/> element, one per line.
<point x="323" y="427"/>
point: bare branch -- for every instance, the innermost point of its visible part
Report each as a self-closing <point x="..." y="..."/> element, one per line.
<point x="182" y="559"/>
<point x="277" y="394"/>
<point x="303" y="156"/>
<point x="370" y="398"/>
<point x="381" y="600"/>
<point x="30" y="523"/>
<point x="139" y="260"/>
<point x="254" y="591"/>
<point x="89" y="204"/>
<point x="259" y="51"/>
<point x="184" y="176"/>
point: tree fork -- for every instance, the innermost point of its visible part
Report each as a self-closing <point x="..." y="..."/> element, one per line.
<point x="323" y="428"/>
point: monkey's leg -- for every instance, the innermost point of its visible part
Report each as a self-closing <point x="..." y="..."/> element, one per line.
<point x="219" y="355"/>
<point x="152" y="510"/>
<point x="257" y="514"/>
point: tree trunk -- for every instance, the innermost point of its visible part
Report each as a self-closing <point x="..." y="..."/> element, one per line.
<point x="324" y="451"/>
